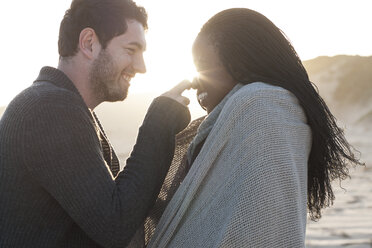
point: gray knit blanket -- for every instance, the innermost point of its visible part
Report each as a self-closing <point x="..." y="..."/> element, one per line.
<point x="248" y="185"/>
<point x="207" y="125"/>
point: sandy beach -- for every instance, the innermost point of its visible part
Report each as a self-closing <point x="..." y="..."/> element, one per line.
<point x="348" y="223"/>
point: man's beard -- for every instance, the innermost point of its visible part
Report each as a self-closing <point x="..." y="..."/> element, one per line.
<point x="104" y="77"/>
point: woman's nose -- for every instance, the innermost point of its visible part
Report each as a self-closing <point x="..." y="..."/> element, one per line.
<point x="195" y="84"/>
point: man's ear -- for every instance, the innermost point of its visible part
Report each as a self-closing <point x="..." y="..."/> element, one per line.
<point x="89" y="43"/>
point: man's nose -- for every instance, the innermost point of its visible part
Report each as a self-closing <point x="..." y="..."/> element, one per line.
<point x="139" y="64"/>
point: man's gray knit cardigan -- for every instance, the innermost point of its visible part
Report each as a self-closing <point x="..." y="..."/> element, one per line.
<point x="56" y="187"/>
<point x="248" y="185"/>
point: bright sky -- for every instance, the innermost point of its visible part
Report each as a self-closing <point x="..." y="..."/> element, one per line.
<point x="29" y="33"/>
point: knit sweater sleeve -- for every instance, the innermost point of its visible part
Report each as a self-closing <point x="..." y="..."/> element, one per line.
<point x="269" y="178"/>
<point x="61" y="150"/>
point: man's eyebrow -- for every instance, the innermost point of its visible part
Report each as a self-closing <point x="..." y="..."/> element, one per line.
<point x="138" y="45"/>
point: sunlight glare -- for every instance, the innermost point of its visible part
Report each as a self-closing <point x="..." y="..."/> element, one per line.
<point x="315" y="28"/>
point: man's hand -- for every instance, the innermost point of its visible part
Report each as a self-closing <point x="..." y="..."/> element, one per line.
<point x="176" y="92"/>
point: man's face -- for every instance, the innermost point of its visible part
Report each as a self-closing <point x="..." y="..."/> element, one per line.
<point x="116" y="65"/>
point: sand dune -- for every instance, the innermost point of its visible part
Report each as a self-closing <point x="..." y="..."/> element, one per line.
<point x="2" y="109"/>
<point x="345" y="82"/>
<point x="348" y="223"/>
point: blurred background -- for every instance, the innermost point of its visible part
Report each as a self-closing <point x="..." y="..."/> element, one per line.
<point x="332" y="38"/>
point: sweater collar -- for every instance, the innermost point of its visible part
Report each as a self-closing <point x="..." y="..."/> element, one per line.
<point x="57" y="77"/>
<point x="208" y="123"/>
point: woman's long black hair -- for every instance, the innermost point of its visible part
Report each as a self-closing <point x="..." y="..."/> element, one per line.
<point x="253" y="49"/>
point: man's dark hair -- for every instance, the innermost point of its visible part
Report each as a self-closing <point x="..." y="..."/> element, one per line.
<point x="253" y="49"/>
<point x="107" y="18"/>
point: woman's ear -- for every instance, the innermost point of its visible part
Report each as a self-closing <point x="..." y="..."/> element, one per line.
<point x="89" y="43"/>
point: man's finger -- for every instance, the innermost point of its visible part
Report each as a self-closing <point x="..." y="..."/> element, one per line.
<point x="181" y="87"/>
<point x="176" y="92"/>
<point x="184" y="100"/>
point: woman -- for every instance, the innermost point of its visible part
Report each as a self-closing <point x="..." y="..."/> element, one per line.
<point x="267" y="151"/>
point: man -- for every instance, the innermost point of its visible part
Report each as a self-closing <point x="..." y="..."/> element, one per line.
<point x="60" y="184"/>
